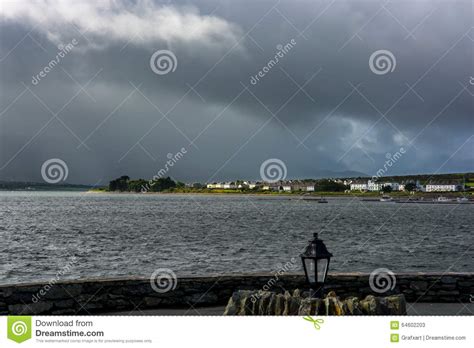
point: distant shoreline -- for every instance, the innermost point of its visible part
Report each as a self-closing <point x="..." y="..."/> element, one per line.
<point x="313" y="195"/>
<point x="293" y="194"/>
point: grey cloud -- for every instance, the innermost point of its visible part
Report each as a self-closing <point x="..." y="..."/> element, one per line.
<point x="436" y="62"/>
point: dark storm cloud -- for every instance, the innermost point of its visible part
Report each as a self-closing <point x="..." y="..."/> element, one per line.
<point x="344" y="118"/>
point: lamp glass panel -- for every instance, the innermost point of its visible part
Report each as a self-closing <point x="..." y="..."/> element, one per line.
<point x="322" y="268"/>
<point x="310" y="265"/>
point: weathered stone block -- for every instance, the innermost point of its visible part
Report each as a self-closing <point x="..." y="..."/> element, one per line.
<point x="279" y="304"/>
<point x="247" y="306"/>
<point x="263" y="303"/>
<point x="90" y="307"/>
<point x="419" y="285"/>
<point x="351" y="306"/>
<point x="31" y="308"/>
<point x="305" y="307"/>
<point x="396" y="305"/>
<point x="59" y="292"/>
<point x="152" y="301"/>
<point x="64" y="304"/>
<point x="448" y="280"/>
<point x="232" y="307"/>
<point x="369" y="305"/>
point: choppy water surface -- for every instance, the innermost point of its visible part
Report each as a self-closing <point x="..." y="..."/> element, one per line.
<point x="117" y="235"/>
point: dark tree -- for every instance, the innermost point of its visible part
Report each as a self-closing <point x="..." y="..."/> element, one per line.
<point x="120" y="184"/>
<point x="329" y="186"/>
<point x="138" y="185"/>
<point x="162" y="184"/>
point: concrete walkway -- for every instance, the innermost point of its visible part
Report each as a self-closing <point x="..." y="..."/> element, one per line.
<point x="413" y="309"/>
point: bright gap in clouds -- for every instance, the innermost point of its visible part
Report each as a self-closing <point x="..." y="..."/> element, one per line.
<point x="143" y="23"/>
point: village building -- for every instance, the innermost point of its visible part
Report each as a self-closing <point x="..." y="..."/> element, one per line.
<point x="359" y="185"/>
<point x="444" y="186"/>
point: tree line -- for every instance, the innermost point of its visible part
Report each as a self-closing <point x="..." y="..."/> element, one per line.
<point x="125" y="184"/>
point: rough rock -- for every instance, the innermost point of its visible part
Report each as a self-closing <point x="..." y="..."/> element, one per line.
<point x="269" y="303"/>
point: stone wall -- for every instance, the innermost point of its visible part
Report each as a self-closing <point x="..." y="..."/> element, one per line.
<point x="107" y="295"/>
<point x="247" y="302"/>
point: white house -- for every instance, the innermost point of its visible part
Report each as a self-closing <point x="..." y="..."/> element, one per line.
<point x="250" y="185"/>
<point x="298" y="186"/>
<point x="374" y="186"/>
<point x="220" y="185"/>
<point x="378" y="186"/>
<point x="359" y="186"/>
<point x="286" y="188"/>
<point x="442" y="187"/>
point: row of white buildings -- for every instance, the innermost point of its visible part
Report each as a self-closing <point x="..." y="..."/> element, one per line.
<point x="432" y="186"/>
<point x="287" y="186"/>
<point x="355" y="185"/>
<point x="371" y="185"/>
<point x="232" y="185"/>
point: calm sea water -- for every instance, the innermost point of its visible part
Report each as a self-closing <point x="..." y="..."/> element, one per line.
<point x="41" y="233"/>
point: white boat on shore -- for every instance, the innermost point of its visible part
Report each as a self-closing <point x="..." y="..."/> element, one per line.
<point x="442" y="199"/>
<point x="386" y="199"/>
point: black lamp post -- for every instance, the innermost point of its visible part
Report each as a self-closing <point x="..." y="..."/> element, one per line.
<point x="315" y="260"/>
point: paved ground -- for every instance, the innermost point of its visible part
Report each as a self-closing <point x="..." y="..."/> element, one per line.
<point x="413" y="309"/>
<point x="440" y="309"/>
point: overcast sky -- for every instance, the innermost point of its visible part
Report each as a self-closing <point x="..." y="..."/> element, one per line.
<point x="105" y="108"/>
